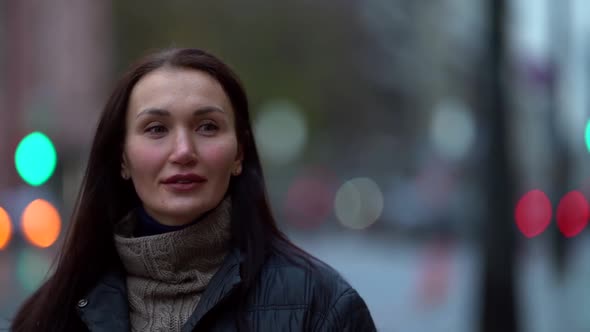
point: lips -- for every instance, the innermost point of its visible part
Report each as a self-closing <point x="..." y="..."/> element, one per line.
<point x="183" y="182"/>
<point x="184" y="178"/>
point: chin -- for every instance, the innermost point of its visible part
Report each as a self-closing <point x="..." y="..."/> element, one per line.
<point x="187" y="213"/>
<point x="186" y="209"/>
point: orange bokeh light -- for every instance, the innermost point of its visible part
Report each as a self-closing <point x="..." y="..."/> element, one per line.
<point x="5" y="229"/>
<point x="41" y="223"/>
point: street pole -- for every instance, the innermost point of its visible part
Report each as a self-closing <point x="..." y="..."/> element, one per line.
<point x="559" y="39"/>
<point x="499" y="305"/>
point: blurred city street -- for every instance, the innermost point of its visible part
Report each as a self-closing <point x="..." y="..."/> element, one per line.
<point x="405" y="292"/>
<point x="408" y="286"/>
<point x="436" y="154"/>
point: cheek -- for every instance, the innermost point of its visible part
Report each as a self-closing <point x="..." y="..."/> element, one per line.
<point x="143" y="159"/>
<point x="220" y="155"/>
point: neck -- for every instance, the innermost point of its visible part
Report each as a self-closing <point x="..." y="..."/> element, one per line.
<point x="148" y="225"/>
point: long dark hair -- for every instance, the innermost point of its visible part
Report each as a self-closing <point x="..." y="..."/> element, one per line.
<point x="104" y="198"/>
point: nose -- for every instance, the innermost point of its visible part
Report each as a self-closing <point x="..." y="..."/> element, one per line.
<point x="184" y="151"/>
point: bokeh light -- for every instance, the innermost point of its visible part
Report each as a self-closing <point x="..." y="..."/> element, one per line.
<point x="35" y="158"/>
<point x="41" y="223"/>
<point x="31" y="268"/>
<point x="587" y="135"/>
<point x="572" y="214"/>
<point x="452" y="130"/>
<point x="358" y="203"/>
<point x="309" y="199"/>
<point x="404" y="204"/>
<point x="281" y="131"/>
<point x="533" y="213"/>
<point x="5" y="228"/>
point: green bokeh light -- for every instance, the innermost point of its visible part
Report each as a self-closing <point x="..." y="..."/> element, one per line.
<point x="587" y="135"/>
<point x="35" y="158"/>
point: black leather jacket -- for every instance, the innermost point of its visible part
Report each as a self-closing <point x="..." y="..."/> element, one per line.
<point x="288" y="297"/>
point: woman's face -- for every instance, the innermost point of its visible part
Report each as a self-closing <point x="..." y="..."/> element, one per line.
<point x="181" y="146"/>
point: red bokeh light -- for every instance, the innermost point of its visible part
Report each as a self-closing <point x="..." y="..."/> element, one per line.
<point x="572" y="214"/>
<point x="533" y="213"/>
<point x="310" y="199"/>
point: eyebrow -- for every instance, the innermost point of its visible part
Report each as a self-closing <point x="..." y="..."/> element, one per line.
<point x="163" y="112"/>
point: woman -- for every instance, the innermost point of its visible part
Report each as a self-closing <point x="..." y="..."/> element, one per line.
<point x="172" y="229"/>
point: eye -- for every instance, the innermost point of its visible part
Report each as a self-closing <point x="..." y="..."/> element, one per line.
<point x="156" y="129"/>
<point x="208" y="128"/>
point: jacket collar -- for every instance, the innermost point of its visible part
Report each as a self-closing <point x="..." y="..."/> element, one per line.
<point x="223" y="283"/>
<point x="105" y="307"/>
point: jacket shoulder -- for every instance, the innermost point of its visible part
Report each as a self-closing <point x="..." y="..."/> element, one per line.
<point x="300" y="279"/>
<point x="290" y="281"/>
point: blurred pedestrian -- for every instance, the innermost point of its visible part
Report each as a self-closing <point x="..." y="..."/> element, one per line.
<point x="172" y="229"/>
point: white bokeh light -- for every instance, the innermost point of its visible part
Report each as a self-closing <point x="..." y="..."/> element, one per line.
<point x="452" y="129"/>
<point x="358" y="203"/>
<point x="281" y="131"/>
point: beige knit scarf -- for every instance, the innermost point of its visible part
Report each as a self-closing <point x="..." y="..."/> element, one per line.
<point x="167" y="273"/>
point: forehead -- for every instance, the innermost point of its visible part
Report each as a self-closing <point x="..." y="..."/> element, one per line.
<point x="172" y="88"/>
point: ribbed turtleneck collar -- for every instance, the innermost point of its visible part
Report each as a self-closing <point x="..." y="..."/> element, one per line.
<point x="168" y="272"/>
<point x="176" y="255"/>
